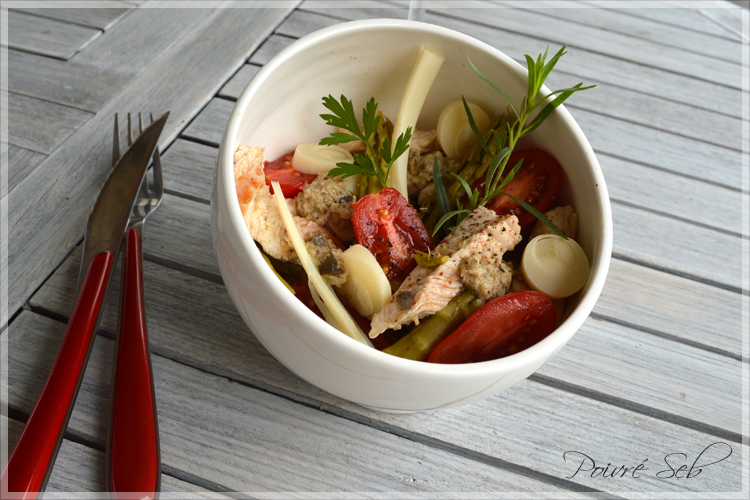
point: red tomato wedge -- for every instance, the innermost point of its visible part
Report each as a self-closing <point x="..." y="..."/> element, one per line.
<point x="387" y="225"/>
<point x="504" y="326"/>
<point x="281" y="171"/>
<point x="537" y="183"/>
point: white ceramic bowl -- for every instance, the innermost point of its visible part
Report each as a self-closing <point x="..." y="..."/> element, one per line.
<point x="280" y="109"/>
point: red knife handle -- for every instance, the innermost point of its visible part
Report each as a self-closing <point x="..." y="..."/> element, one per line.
<point x="31" y="461"/>
<point x="133" y="462"/>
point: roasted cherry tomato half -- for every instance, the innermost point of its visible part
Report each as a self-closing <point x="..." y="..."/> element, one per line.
<point x="387" y="225"/>
<point x="504" y="326"/>
<point x="537" y="183"/>
<point x="281" y="171"/>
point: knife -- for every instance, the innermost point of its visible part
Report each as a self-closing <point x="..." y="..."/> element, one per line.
<point x="31" y="461"/>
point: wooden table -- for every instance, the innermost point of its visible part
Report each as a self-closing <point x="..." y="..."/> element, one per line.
<point x="656" y="375"/>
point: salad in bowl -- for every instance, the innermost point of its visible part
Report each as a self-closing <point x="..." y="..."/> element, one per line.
<point x="419" y="234"/>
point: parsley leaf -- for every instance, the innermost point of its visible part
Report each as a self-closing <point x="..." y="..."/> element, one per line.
<point x="377" y="162"/>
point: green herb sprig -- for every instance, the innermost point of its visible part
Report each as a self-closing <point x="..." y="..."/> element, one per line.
<point x="506" y="141"/>
<point x="343" y="117"/>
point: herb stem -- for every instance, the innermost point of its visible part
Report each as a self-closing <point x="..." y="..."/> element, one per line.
<point x="506" y="141"/>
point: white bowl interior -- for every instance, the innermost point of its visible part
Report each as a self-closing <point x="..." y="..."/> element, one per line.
<point x="281" y="108"/>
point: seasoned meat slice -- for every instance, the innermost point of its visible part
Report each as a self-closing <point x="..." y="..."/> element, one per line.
<point x="518" y="283"/>
<point x="486" y="274"/>
<point x="258" y="207"/>
<point x="423" y="142"/>
<point x="564" y="218"/>
<point x="428" y="290"/>
<point x="419" y="170"/>
<point x="262" y="216"/>
<point x="328" y="202"/>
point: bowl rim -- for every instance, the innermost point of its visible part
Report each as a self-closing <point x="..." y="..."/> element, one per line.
<point x="543" y="349"/>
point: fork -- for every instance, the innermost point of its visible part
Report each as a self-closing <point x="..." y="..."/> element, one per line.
<point x="133" y="458"/>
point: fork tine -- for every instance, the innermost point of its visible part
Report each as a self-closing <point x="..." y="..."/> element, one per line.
<point x="116" y="143"/>
<point x="158" y="180"/>
<point x="151" y="189"/>
<point x="130" y="133"/>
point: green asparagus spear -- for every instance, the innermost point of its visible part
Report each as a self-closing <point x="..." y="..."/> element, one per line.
<point x="418" y="343"/>
<point x="471" y="168"/>
<point x="427" y="259"/>
<point x="383" y="132"/>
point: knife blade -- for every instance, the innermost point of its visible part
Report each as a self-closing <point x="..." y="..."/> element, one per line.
<point x="31" y="461"/>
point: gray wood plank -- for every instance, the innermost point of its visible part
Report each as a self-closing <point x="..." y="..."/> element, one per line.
<point x="640" y="51"/>
<point x="674" y="195"/>
<point x="679" y="246"/>
<point x="178" y="224"/>
<point x="663" y="150"/>
<point x="239" y="81"/>
<point x="244" y="439"/>
<point x="20" y="162"/>
<point x="665" y="115"/>
<point x="651" y="371"/>
<point x="671" y="14"/>
<point x="729" y="19"/>
<point x="654" y="300"/>
<point x="582" y="62"/>
<point x="270" y="48"/>
<point x="643" y="28"/>
<point x="100" y="17"/>
<point x="681" y="308"/>
<point x="64" y="82"/>
<point x="189" y="168"/>
<point x="505" y="427"/>
<point x="80" y="469"/>
<point x="47" y="215"/>
<point x="308" y="18"/>
<point x="210" y="124"/>
<point x="47" y="36"/>
<point x="39" y="125"/>
<point x="140" y="38"/>
<point x="393" y="9"/>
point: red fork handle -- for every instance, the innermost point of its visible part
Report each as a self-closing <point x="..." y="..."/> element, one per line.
<point x="133" y="462"/>
<point x="31" y="461"/>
